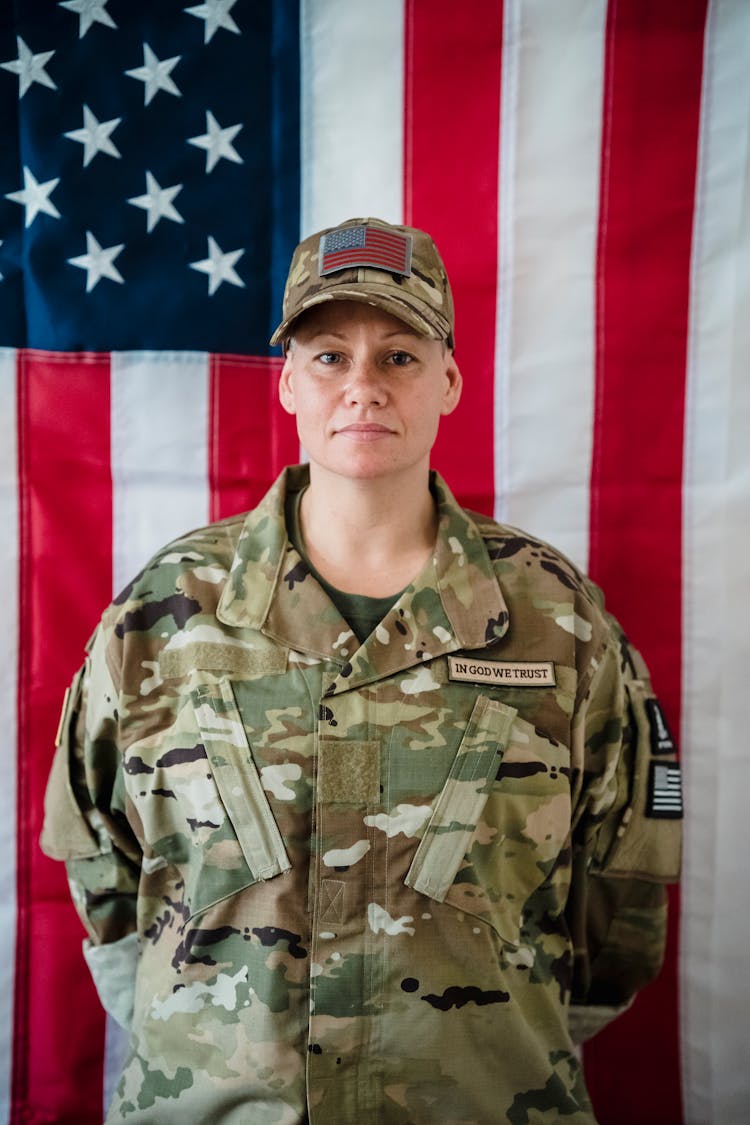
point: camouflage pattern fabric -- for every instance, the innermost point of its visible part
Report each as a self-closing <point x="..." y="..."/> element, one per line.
<point x="422" y="299"/>
<point x="368" y="883"/>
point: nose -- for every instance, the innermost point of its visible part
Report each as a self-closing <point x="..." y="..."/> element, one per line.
<point x="366" y="383"/>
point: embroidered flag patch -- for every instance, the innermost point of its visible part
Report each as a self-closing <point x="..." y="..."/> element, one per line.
<point x="515" y="673"/>
<point x="665" y="791"/>
<point x="365" y="246"/>
<point x="661" y="738"/>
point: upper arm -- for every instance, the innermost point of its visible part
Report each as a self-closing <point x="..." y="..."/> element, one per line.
<point x="627" y="832"/>
<point x="86" y="822"/>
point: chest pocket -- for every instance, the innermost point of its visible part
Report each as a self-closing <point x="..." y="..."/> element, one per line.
<point x="249" y="820"/>
<point x="201" y="803"/>
<point x="499" y="823"/>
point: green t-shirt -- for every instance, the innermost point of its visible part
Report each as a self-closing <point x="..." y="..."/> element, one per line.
<point x="362" y="613"/>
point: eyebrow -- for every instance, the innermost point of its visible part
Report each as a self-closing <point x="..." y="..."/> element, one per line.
<point x="405" y="331"/>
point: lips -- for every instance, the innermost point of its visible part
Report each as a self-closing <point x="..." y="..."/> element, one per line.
<point x="364" y="431"/>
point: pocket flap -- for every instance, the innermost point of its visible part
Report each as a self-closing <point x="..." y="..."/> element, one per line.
<point x="66" y="833"/>
<point x="237" y="779"/>
<point x="648" y="841"/>
<point x="463" y="797"/>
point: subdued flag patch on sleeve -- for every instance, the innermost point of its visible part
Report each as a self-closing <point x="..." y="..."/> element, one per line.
<point x="665" y="791"/>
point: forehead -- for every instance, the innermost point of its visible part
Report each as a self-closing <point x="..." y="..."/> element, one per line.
<point x="344" y="317"/>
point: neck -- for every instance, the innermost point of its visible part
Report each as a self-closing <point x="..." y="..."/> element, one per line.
<point x="368" y="537"/>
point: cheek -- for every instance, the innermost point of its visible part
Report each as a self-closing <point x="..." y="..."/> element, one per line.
<point x="310" y="414"/>
<point x="427" y="413"/>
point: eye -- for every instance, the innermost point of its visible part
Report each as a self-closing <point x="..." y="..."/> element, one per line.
<point x="400" y="359"/>
<point x="328" y="358"/>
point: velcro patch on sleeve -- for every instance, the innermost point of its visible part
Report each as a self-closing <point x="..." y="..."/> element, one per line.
<point x="664" y="791"/>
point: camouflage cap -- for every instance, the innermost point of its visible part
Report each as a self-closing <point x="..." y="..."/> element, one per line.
<point x="397" y="269"/>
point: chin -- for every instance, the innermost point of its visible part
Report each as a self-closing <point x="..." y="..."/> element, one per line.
<point x="364" y="469"/>
<point x="366" y="472"/>
<point x="366" y="462"/>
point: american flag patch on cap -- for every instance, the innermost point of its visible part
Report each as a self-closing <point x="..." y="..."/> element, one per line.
<point x="665" y="791"/>
<point x="365" y="245"/>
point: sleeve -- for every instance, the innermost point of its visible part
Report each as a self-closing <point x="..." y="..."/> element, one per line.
<point x="626" y="836"/>
<point x="86" y="826"/>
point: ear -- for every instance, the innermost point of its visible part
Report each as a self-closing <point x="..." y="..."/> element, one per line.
<point x="286" y="387"/>
<point x="453" y="386"/>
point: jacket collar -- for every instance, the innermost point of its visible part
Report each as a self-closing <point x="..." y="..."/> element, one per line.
<point x="454" y="603"/>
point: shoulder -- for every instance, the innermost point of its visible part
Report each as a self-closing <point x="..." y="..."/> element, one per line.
<point x="205" y="552"/>
<point x="550" y="598"/>
<point x="179" y="586"/>
<point x="522" y="557"/>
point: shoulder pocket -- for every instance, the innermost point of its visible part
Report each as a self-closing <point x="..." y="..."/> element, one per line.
<point x="66" y="833"/>
<point x="649" y="837"/>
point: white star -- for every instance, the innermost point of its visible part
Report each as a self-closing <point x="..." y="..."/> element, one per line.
<point x="98" y="262"/>
<point x="158" y="202"/>
<point x="94" y="136"/>
<point x="219" y="266"/>
<point x="216" y="14"/>
<point x="35" y="197"/>
<point x="155" y="74"/>
<point x="88" y="12"/>
<point x="30" y="68"/>
<point x="217" y="142"/>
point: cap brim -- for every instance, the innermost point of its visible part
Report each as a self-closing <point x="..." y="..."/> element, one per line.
<point x="420" y="317"/>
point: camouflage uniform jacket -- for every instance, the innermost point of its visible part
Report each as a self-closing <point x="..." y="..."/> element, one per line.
<point x="377" y="883"/>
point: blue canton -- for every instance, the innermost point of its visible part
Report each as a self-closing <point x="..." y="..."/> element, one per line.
<point x="149" y="174"/>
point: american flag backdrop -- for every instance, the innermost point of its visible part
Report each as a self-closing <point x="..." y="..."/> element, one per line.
<point x="584" y="166"/>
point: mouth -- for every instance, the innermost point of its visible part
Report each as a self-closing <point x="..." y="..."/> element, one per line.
<point x="364" y="431"/>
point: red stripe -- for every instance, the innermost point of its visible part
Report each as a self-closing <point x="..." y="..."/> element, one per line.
<point x="385" y="238"/>
<point x="453" y="55"/>
<point x="364" y="256"/>
<point x="251" y="438"/>
<point x="649" y="150"/>
<point x="66" y="548"/>
<point x="386" y="252"/>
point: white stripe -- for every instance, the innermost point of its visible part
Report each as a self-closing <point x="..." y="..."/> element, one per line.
<point x="9" y="548"/>
<point x="159" y="419"/>
<point x="506" y="255"/>
<point x="715" y="937"/>
<point x="550" y="138"/>
<point x="352" y="60"/>
<point x="159" y="453"/>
